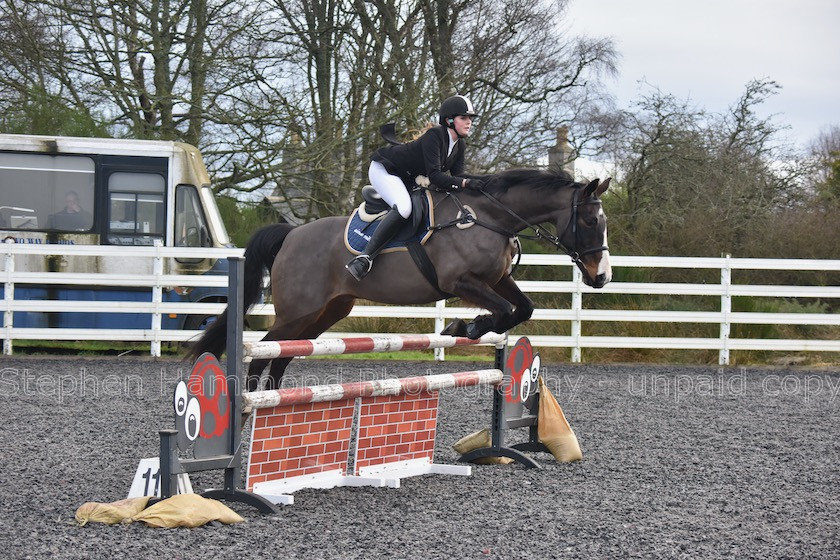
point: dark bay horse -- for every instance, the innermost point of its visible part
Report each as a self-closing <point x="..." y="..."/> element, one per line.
<point x="312" y="291"/>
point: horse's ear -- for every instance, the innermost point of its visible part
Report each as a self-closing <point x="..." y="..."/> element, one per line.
<point x="602" y="188"/>
<point x="590" y="188"/>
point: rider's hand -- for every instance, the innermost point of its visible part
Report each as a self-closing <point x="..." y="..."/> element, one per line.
<point x="474" y="183"/>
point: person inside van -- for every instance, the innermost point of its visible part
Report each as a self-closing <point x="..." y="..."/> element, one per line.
<point x="73" y="217"/>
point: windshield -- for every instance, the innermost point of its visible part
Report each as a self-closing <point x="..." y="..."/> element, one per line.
<point x="214" y="217"/>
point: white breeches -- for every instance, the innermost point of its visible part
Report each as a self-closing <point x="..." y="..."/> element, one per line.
<point x="390" y="188"/>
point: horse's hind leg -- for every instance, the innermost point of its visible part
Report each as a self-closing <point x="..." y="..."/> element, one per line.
<point x="276" y="371"/>
<point x="278" y="365"/>
<point x="333" y="312"/>
<point x="255" y="369"/>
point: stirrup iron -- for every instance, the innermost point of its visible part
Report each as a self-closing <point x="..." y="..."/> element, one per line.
<point x="359" y="266"/>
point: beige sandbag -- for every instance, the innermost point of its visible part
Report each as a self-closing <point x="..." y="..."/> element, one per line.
<point x="186" y="510"/>
<point x="554" y="430"/>
<point x="115" y="512"/>
<point x="477" y="440"/>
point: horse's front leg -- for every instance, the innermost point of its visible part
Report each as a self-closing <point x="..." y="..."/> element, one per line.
<point x="479" y="293"/>
<point x="523" y="306"/>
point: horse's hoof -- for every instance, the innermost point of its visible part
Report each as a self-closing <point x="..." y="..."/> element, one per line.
<point x="479" y="326"/>
<point x="456" y="328"/>
<point x="473" y="332"/>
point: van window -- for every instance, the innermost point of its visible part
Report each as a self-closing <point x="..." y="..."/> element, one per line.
<point x="136" y="202"/>
<point x="39" y="191"/>
<point x="190" y="223"/>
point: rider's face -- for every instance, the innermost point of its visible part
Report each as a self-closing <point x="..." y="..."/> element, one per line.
<point x="463" y="124"/>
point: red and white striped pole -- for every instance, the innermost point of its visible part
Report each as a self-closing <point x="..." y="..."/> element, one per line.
<point x="376" y="388"/>
<point x="380" y="343"/>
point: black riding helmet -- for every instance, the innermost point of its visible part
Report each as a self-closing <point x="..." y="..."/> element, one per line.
<point x="454" y="106"/>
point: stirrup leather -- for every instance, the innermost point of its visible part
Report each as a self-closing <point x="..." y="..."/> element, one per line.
<point x="359" y="266"/>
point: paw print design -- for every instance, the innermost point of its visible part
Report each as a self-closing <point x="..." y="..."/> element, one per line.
<point x="202" y="409"/>
<point x="522" y="369"/>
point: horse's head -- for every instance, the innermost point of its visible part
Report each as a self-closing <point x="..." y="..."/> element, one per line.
<point x="532" y="197"/>
<point x="584" y="236"/>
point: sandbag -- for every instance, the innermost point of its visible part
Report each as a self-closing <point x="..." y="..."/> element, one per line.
<point x="554" y="430"/>
<point x="186" y="510"/>
<point x="115" y="512"/>
<point x="477" y="440"/>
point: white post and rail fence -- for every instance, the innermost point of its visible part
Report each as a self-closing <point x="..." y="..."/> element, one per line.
<point x="576" y="315"/>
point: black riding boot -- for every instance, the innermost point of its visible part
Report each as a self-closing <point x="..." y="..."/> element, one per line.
<point x="387" y="229"/>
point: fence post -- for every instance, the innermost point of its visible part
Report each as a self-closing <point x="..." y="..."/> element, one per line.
<point x="235" y="358"/>
<point x="440" y="306"/>
<point x="577" y="305"/>
<point x="725" y="309"/>
<point x="9" y="298"/>
<point x="157" y="299"/>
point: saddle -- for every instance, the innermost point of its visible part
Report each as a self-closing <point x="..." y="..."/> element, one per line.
<point x="365" y="219"/>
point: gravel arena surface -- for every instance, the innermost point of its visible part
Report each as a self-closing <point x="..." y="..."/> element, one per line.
<point x="679" y="462"/>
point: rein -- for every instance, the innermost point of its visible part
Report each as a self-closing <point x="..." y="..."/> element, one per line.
<point x="469" y="218"/>
<point x="540" y="232"/>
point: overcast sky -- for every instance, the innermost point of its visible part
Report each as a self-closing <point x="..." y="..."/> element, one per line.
<point x="706" y="51"/>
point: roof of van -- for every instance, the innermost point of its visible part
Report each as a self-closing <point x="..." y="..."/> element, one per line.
<point x="106" y="146"/>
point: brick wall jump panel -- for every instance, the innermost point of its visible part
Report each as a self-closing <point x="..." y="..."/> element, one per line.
<point x="397" y="428"/>
<point x="300" y="439"/>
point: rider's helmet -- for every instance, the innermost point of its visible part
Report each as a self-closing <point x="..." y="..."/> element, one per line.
<point x="454" y="106"/>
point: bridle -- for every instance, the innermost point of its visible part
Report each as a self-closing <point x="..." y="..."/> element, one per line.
<point x="540" y="232"/>
<point x="574" y="253"/>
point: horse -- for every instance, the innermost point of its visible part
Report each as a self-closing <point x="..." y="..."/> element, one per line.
<point x="312" y="291"/>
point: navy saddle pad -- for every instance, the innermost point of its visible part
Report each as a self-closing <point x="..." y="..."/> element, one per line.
<point x="358" y="232"/>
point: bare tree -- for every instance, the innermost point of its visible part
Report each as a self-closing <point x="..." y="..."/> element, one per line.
<point x="825" y="159"/>
<point x="35" y="97"/>
<point x="699" y="183"/>
<point x="286" y="96"/>
<point x="527" y="77"/>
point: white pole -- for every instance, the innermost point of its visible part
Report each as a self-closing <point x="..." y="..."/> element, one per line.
<point x="577" y="305"/>
<point x="439" y="325"/>
<point x="725" y="309"/>
<point x="157" y="299"/>
<point x="9" y="298"/>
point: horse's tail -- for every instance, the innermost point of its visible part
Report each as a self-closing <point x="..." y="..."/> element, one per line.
<point x="260" y="252"/>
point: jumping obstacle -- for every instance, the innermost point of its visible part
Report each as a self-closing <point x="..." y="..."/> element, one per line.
<point x="303" y="437"/>
<point x="379" y="431"/>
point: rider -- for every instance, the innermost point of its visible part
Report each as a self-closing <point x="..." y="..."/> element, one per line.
<point x="393" y="169"/>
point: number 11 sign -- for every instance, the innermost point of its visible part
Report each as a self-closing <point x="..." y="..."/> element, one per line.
<point x="147" y="480"/>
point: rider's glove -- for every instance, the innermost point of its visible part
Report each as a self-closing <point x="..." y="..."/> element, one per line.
<point x="475" y="183"/>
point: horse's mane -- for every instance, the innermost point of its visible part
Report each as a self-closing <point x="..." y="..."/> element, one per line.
<point x="531" y="178"/>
